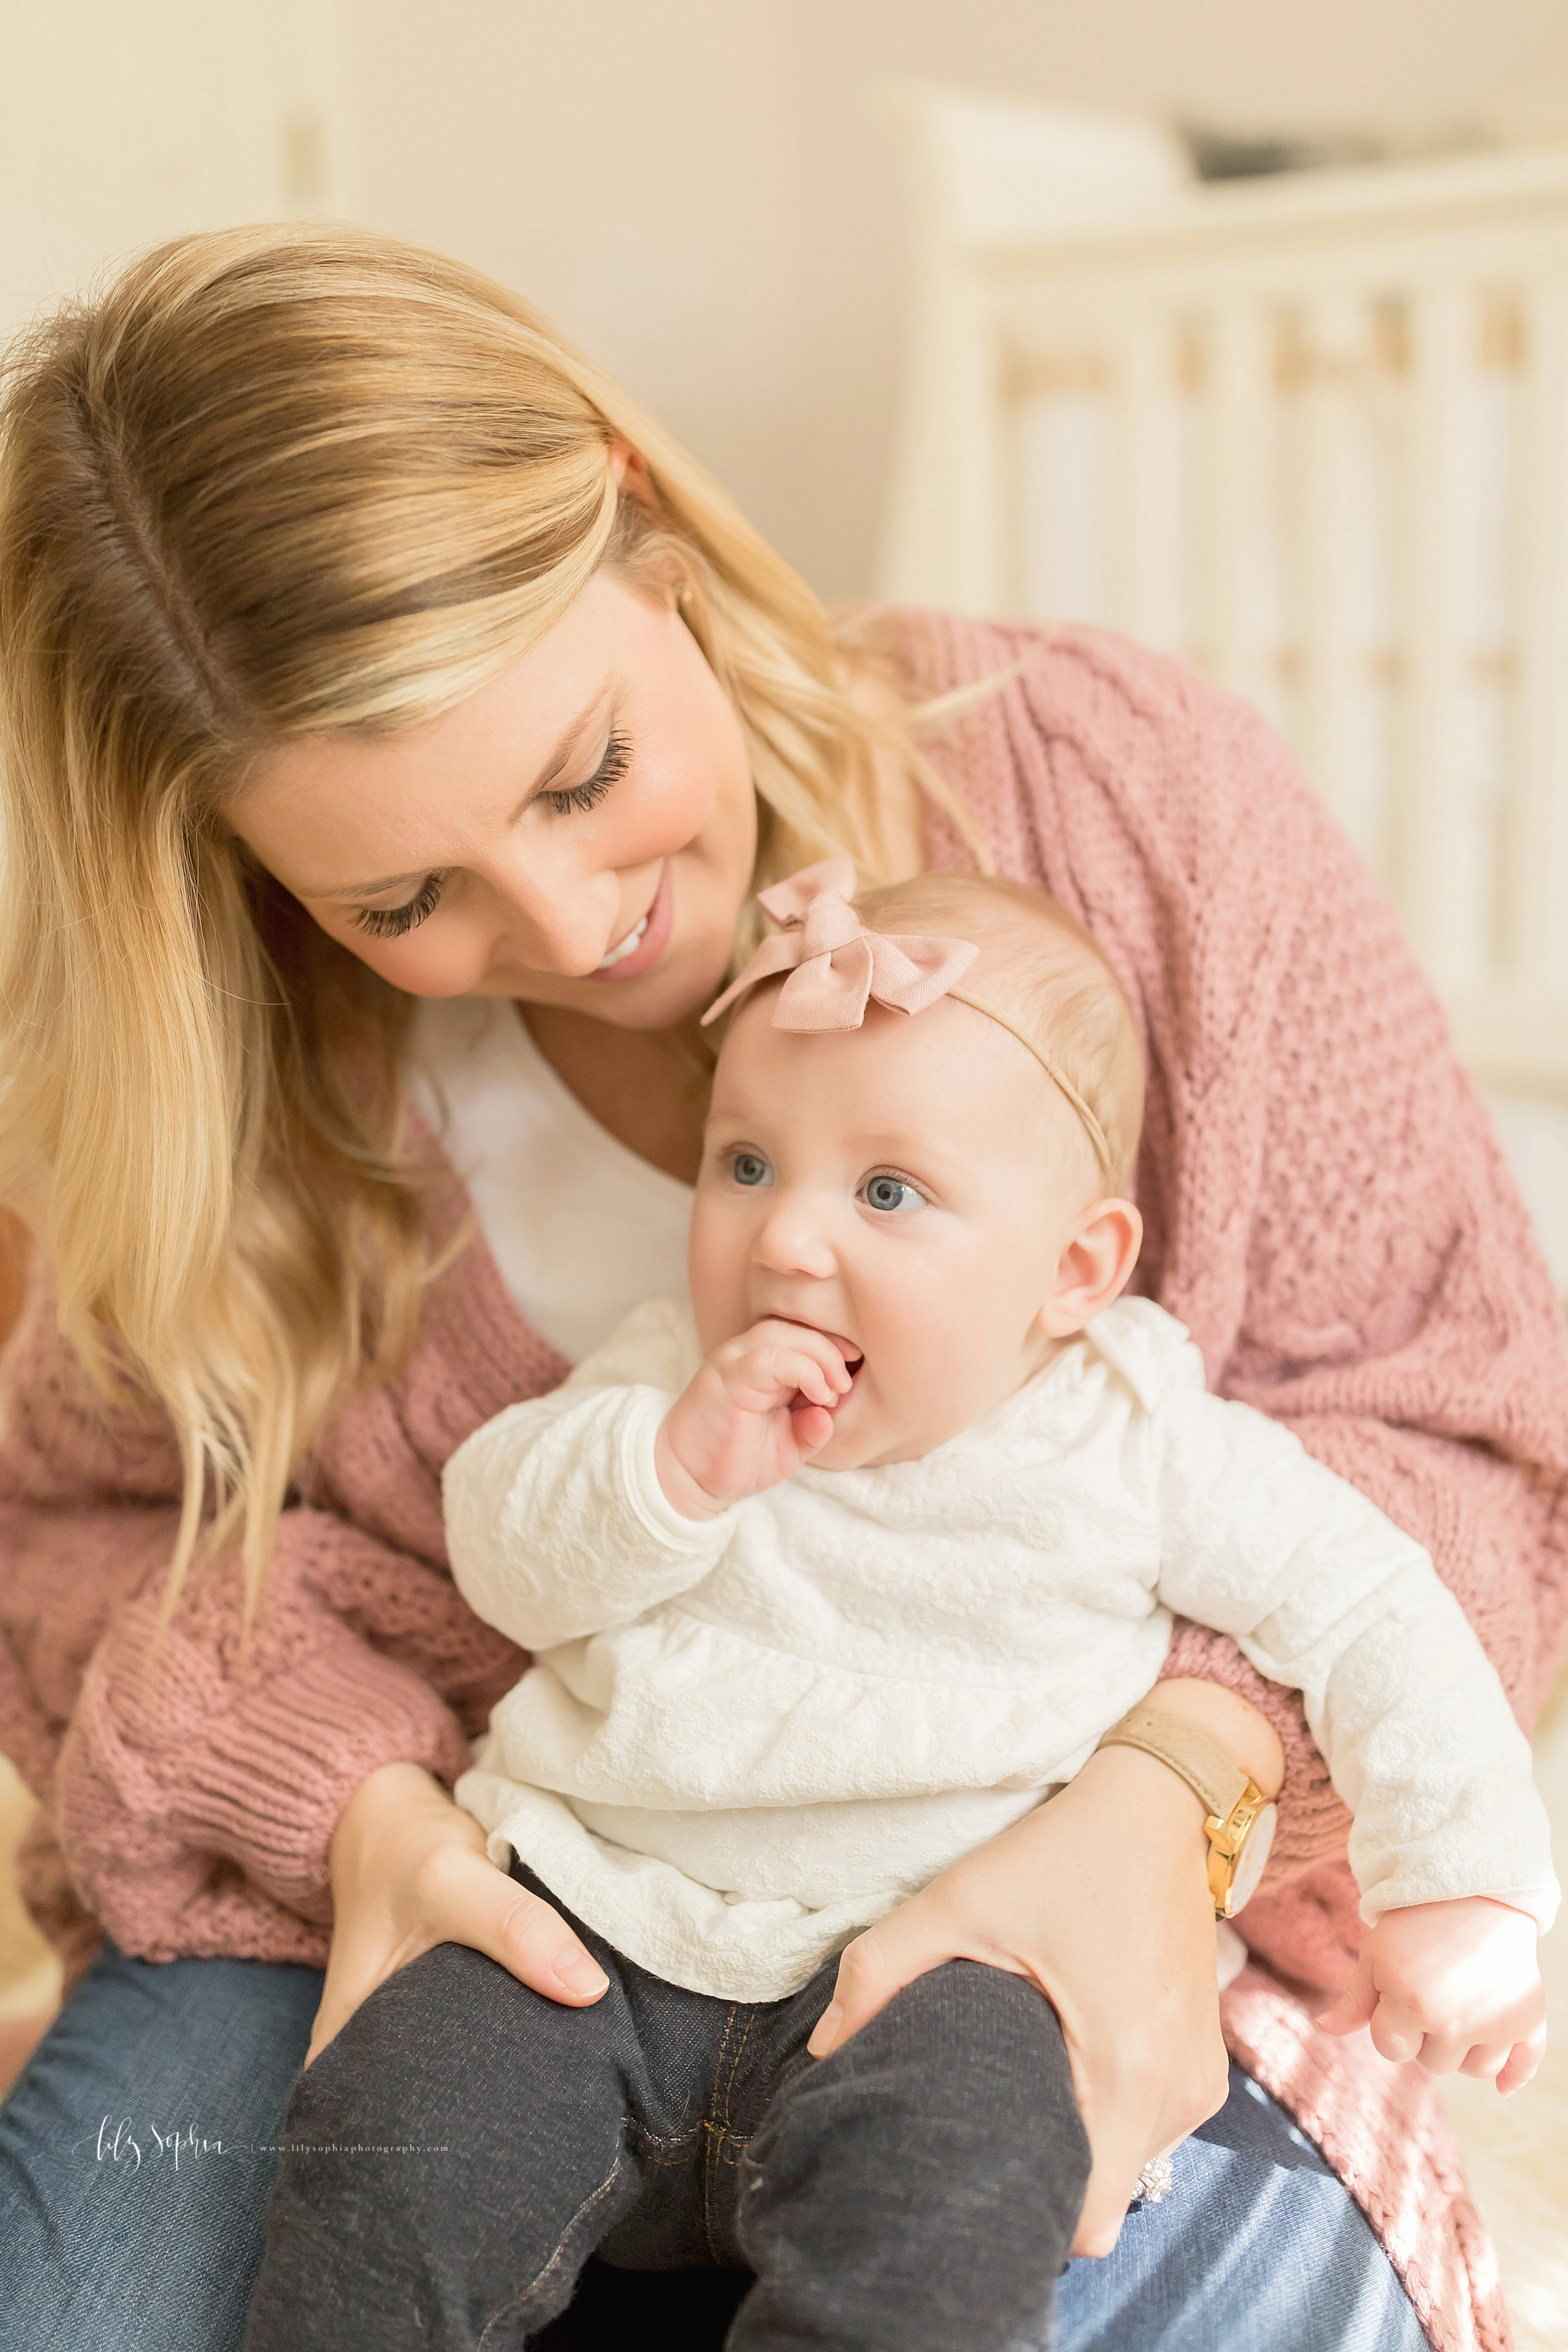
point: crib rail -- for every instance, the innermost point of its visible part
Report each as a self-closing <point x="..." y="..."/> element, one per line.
<point x="1313" y="434"/>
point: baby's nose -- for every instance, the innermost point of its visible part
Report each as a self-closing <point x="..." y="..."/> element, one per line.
<point x="792" y="1241"/>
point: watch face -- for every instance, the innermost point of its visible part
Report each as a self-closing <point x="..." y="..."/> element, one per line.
<point x="1250" y="1862"/>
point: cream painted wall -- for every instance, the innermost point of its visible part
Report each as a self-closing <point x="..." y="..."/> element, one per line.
<point x="702" y="192"/>
<point x="699" y="189"/>
<point x="124" y="122"/>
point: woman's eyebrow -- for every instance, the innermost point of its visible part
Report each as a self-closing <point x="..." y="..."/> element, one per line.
<point x="565" y="744"/>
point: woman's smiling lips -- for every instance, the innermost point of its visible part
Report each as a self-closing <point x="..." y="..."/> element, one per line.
<point x="648" y="939"/>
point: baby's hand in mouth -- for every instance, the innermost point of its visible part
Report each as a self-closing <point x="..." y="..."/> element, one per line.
<point x="761" y="1405"/>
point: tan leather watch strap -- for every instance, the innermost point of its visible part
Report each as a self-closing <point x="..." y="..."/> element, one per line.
<point x="1205" y="1767"/>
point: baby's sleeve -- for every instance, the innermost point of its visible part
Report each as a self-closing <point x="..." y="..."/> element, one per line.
<point x="556" y="1524"/>
<point x="1322" y="1592"/>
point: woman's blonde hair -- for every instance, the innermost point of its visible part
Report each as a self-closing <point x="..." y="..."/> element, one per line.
<point x="275" y="483"/>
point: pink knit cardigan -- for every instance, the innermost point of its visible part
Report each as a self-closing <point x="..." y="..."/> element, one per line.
<point x="1327" y="1212"/>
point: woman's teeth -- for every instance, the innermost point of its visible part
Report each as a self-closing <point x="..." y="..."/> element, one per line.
<point x="617" y="955"/>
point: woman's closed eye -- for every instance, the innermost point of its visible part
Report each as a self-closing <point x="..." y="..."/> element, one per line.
<point x="580" y="798"/>
<point x="392" y="922"/>
<point x="891" y="1195"/>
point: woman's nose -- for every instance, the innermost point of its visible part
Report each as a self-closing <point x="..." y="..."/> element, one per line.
<point x="563" y="921"/>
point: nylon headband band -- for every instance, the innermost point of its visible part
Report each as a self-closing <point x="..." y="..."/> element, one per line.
<point x="1052" y="1068"/>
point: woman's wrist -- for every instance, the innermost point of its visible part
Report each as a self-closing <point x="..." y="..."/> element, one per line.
<point x="1147" y="1809"/>
<point x="1232" y="1722"/>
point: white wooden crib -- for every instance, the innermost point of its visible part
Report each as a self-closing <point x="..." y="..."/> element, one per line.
<point x="1311" y="432"/>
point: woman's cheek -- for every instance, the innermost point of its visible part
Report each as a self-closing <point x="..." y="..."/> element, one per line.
<point x="444" y="961"/>
<point x="674" y="807"/>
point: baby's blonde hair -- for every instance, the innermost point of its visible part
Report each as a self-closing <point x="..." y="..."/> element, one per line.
<point x="1042" y="968"/>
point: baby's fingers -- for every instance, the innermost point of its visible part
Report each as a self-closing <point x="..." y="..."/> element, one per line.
<point x="812" y="1425"/>
<point x="1486" y="2061"/>
<point x="1355" y="2004"/>
<point x="1396" y="2033"/>
<point x="810" y="1359"/>
<point x="1524" y="2060"/>
<point x="813" y="1381"/>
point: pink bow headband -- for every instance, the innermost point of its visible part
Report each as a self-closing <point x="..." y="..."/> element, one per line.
<point x="835" y="966"/>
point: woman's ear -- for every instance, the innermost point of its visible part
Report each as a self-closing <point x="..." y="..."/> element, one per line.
<point x="1094" y="1267"/>
<point x="628" y="467"/>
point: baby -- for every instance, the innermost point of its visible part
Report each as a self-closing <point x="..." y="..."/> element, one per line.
<point x="836" y="1571"/>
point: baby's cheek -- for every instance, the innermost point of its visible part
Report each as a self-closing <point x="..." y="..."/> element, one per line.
<point x="716" y="1268"/>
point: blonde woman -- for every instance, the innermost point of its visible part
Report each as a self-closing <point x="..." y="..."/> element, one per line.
<point x="394" y="724"/>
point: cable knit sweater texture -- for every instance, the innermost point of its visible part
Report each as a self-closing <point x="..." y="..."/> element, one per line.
<point x="1327" y="1212"/>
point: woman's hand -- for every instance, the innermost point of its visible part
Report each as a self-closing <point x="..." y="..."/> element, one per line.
<point x="410" y="1871"/>
<point x="1102" y="1898"/>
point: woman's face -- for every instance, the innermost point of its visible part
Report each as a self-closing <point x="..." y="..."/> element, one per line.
<point x="581" y="832"/>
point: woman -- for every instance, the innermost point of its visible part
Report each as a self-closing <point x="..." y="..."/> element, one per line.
<point x="361" y="649"/>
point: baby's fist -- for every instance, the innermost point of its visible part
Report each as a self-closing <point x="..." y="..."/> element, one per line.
<point x="1454" y="1985"/>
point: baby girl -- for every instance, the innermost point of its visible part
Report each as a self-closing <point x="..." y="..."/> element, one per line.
<point x="833" y="1572"/>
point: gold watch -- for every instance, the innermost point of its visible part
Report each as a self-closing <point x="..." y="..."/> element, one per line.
<point x="1239" y="1819"/>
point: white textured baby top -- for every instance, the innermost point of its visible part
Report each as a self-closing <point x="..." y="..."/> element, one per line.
<point x="746" y="1738"/>
<point x="581" y="1228"/>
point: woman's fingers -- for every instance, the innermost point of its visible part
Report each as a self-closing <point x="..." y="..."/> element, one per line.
<point x="1118" y="2156"/>
<point x="535" y="1943"/>
<point x="1116" y="2112"/>
<point x="909" y="1943"/>
<point x="466" y="1899"/>
<point x="409" y="1872"/>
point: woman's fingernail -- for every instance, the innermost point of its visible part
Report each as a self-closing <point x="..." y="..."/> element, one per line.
<point x="825" y="2030"/>
<point x="582" y="1975"/>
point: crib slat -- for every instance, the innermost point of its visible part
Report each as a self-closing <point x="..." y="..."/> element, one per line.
<point x="1235" y="499"/>
<point x="1141" y="355"/>
<point x="1534" y="898"/>
<point x="1335" y="336"/>
<point x="1428" y="843"/>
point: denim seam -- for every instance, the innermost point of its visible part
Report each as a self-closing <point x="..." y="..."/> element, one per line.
<point x="515" y="2307"/>
<point x="718" y="2133"/>
<point x="663" y="2147"/>
<point x="739" y="2054"/>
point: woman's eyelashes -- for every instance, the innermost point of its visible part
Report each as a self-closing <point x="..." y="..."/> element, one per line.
<point x="580" y="798"/>
<point x="392" y="922"/>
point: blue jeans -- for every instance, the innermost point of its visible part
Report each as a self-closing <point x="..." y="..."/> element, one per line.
<point x="126" y="2226"/>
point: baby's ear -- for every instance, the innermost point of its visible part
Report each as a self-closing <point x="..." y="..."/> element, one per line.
<point x="1095" y="1266"/>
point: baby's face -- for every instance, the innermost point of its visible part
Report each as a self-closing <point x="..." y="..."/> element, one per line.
<point x="907" y="1188"/>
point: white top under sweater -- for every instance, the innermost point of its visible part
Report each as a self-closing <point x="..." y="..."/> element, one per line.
<point x="745" y="1740"/>
<point x="581" y="1228"/>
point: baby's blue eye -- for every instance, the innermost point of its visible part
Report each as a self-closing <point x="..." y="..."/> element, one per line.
<point x="891" y="1195"/>
<point x="751" y="1168"/>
